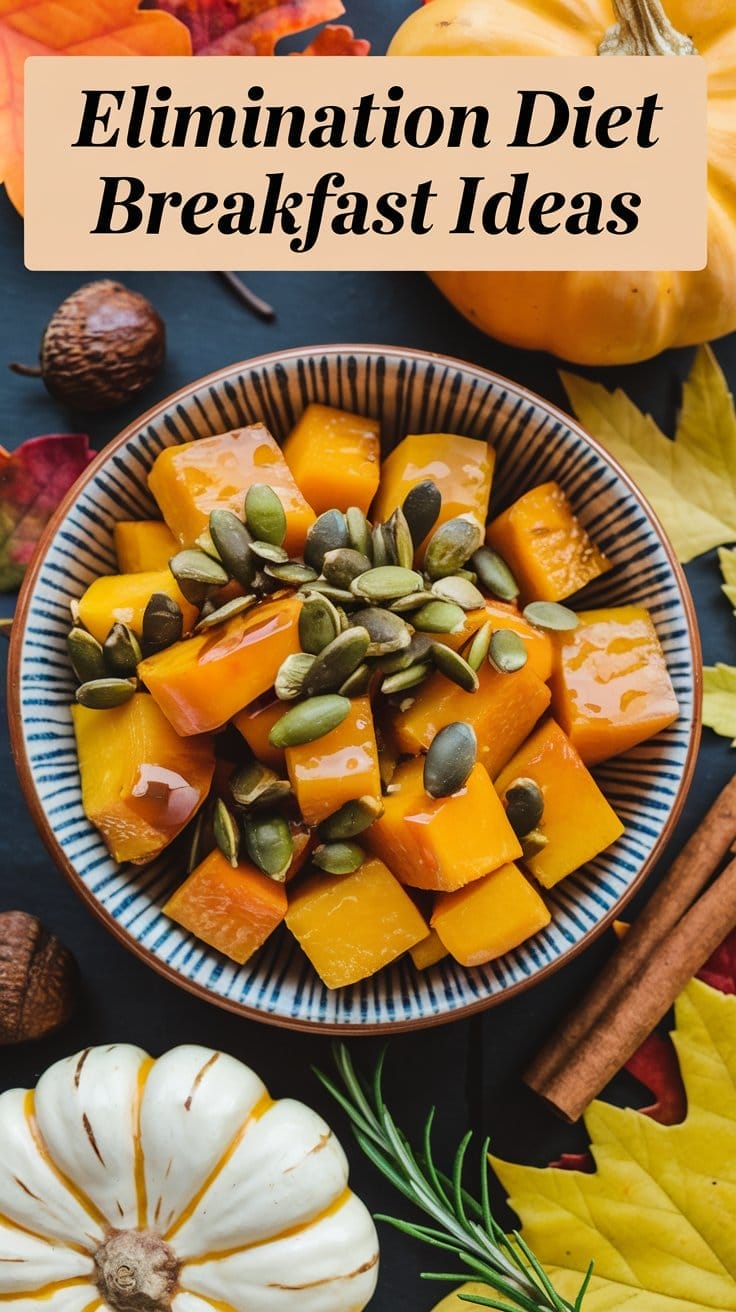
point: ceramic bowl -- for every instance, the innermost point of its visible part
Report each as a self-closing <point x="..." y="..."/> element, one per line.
<point x="409" y="391"/>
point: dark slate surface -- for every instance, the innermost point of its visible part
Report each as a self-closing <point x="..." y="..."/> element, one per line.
<point x="470" y="1069"/>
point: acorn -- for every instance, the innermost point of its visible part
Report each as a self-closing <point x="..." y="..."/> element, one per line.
<point x="103" y="344"/>
<point x="38" y="979"/>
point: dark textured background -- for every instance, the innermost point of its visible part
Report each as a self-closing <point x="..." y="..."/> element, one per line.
<point x="471" y="1069"/>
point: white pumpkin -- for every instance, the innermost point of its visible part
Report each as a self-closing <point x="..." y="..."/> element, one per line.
<point x="133" y="1185"/>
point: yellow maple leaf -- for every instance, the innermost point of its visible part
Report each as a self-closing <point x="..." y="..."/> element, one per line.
<point x="719" y="700"/>
<point x="658" y="1216"/>
<point x="691" y="481"/>
<point x="68" y="27"/>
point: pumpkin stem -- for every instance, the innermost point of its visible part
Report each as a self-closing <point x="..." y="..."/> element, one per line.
<point x="136" y="1271"/>
<point x="643" y="28"/>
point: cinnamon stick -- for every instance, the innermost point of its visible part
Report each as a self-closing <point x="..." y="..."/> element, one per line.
<point x="642" y="1004"/>
<point x="687" y="876"/>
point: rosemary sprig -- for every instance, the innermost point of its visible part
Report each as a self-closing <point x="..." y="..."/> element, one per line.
<point x="462" y="1225"/>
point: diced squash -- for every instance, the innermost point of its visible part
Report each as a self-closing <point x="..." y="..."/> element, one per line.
<point x="335" y="457"/>
<point x="143" y="544"/>
<point x="190" y="480"/>
<point x="233" y="910"/>
<point x="503" y="713"/>
<point x="539" y="645"/>
<point x="441" y="843"/>
<point x="462" y="468"/>
<point x="489" y="917"/>
<point x="202" y="682"/>
<point x="430" y="950"/>
<point x="339" y="767"/>
<point x="255" y="723"/>
<point x="303" y="841"/>
<point x="546" y="546"/>
<point x="141" y="784"/>
<point x="577" y="821"/>
<point x="124" y="597"/>
<point x="611" y="688"/>
<point x="350" y="926"/>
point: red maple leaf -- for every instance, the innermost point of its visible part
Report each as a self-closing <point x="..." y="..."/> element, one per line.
<point x="253" y="27"/>
<point x="33" y="480"/>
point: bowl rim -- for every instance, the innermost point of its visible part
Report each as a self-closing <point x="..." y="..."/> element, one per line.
<point x="23" y="768"/>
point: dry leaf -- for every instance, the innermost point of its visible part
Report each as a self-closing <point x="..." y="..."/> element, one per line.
<point x="691" y="482"/>
<point x="253" y="27"/>
<point x="68" y="27"/>
<point x="719" y="700"/>
<point x="33" y="480"/>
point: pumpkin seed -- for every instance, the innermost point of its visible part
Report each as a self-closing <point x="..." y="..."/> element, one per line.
<point x="104" y="694"/>
<point x="351" y="819"/>
<point x="319" y="623"/>
<point x="386" y="582"/>
<point x="507" y="651"/>
<point x="413" y="601"/>
<point x="338" y="858"/>
<point x="220" y="614"/>
<point x="439" y="617"/>
<point x="269" y="552"/>
<point x="524" y="802"/>
<point x="468" y="574"/>
<point x="269" y="844"/>
<point x="122" y="651"/>
<point x="226" y="831"/>
<point x="328" y="532"/>
<point x="233" y="540"/>
<point x="196" y="574"/>
<point x="450" y="759"/>
<point x="290" y="676"/>
<point x="550" y="615"/>
<point x="476" y="650"/>
<point x="85" y="655"/>
<point x="359" y="532"/>
<point x="417" y="650"/>
<point x="265" y="517"/>
<point x="450" y="546"/>
<point x="254" y="783"/>
<point x="309" y="720"/>
<point x="206" y="544"/>
<point x="291" y="571"/>
<point x="337" y="661"/>
<point x="196" y="842"/>
<point x="453" y="666"/>
<point x="533" y="843"/>
<point x="421" y="507"/>
<point x="403" y="542"/>
<point x="460" y="590"/>
<point x="340" y="567"/>
<point x="379" y="549"/>
<point x="338" y="595"/>
<point x="358" y="683"/>
<point x="405" y="679"/>
<point x="494" y="574"/>
<point x="387" y="632"/>
<point x="162" y="623"/>
<point x="74" y="612"/>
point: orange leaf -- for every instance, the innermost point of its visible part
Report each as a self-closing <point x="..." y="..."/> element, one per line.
<point x="248" y="27"/>
<point x="336" y="40"/>
<point x="68" y="27"/>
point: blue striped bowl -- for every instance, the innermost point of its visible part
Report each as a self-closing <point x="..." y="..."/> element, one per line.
<point x="409" y="392"/>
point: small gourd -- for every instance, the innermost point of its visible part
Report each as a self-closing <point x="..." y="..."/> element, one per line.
<point x="177" y="1185"/>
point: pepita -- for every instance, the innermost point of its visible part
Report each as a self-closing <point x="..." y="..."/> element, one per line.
<point x="378" y="551"/>
<point x="162" y="623"/>
<point x="507" y="652"/>
<point x="122" y="651"/>
<point x="105" y="694"/>
<point x="255" y="783"/>
<point x="418" y="650"/>
<point x="233" y="540"/>
<point x="494" y="574"/>
<point x="337" y="661"/>
<point x="450" y="546"/>
<point x="386" y="582"/>
<point x="405" y="679"/>
<point x="226" y="831"/>
<point x="351" y="819"/>
<point x="387" y="632"/>
<point x="319" y="622"/>
<point x="358" y="683"/>
<point x="454" y="667"/>
<point x="476" y="650"/>
<point x="197" y="840"/>
<point x="291" y="572"/>
<point x="269" y="844"/>
<point x="222" y="613"/>
<point x="551" y="615"/>
<point x="340" y="567"/>
<point x="269" y="552"/>
<point x="403" y="542"/>
<point x="337" y="595"/>
<point x="460" y="590"/>
<point x="421" y="507"/>
<point x="439" y="617"/>
<point x="338" y="858"/>
<point x="265" y="517"/>
<point x="450" y="759"/>
<point x="197" y="574"/>
<point x="309" y="720"/>
<point x="290" y="676"/>
<point x="533" y="843"/>
<point x="328" y="532"/>
<point x="359" y="531"/>
<point x="404" y="605"/>
<point x="206" y="544"/>
<point x="524" y="803"/>
<point x="85" y="655"/>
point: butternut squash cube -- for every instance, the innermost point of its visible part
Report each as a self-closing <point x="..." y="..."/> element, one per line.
<point x="255" y="723"/>
<point x="234" y="910"/>
<point x="441" y="843"/>
<point x="430" y="950"/>
<point x="143" y="544"/>
<point x="462" y="468"/>
<point x="503" y="713"/>
<point x="489" y="917"/>
<point x="190" y="480"/>
<point x="202" y="682"/>
<point x="338" y="767"/>
<point x="538" y="643"/>
<point x="335" y="457"/>
<point x="611" y="688"/>
<point x="351" y="925"/>
<point x="141" y="783"/>
<point x="546" y="546"/>
<point x="577" y="821"/>
<point x="124" y="597"/>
